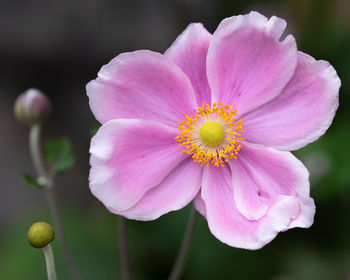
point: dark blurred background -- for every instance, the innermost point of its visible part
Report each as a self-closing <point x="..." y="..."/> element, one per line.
<point x="58" y="46"/>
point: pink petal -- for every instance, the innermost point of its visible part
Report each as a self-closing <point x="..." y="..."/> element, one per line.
<point x="247" y="65"/>
<point x="189" y="52"/>
<point x="260" y="174"/>
<point x="306" y="216"/>
<point x="200" y="205"/>
<point x="302" y="112"/>
<point x="246" y="190"/>
<point x="130" y="157"/>
<point x="173" y="193"/>
<point x="141" y="85"/>
<point x="283" y="210"/>
<point x="230" y="226"/>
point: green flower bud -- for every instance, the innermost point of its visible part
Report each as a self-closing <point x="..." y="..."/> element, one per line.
<point x="32" y="107"/>
<point x="40" y="234"/>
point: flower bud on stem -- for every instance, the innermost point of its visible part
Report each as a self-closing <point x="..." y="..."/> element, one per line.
<point x="32" y="107"/>
<point x="48" y="183"/>
<point x="40" y="235"/>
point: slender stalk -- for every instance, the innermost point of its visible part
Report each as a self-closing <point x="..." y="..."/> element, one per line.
<point x="60" y="233"/>
<point x="124" y="249"/>
<point x="35" y="150"/>
<point x="185" y="246"/>
<point x="46" y="180"/>
<point x="50" y="263"/>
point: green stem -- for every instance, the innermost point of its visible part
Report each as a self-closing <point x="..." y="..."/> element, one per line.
<point x="50" y="262"/>
<point x="35" y="150"/>
<point x="124" y="249"/>
<point x="185" y="246"/>
<point x="46" y="179"/>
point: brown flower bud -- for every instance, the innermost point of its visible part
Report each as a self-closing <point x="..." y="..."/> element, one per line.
<point x="32" y="107"/>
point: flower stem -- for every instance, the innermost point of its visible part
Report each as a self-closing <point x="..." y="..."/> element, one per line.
<point x="35" y="151"/>
<point x="50" y="263"/>
<point x="185" y="246"/>
<point x="46" y="179"/>
<point x="124" y="249"/>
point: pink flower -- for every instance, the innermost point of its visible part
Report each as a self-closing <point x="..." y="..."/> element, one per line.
<point x="213" y="120"/>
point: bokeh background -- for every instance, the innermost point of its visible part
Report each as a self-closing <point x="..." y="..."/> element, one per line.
<point x="58" y="46"/>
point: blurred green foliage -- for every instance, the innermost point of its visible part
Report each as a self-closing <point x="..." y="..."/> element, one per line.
<point x="319" y="253"/>
<point x="58" y="154"/>
<point x="30" y="180"/>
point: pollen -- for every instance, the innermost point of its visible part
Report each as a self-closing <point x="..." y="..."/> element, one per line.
<point x="212" y="135"/>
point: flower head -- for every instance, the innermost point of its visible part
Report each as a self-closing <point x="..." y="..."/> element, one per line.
<point x="32" y="107"/>
<point x="40" y="234"/>
<point x="213" y="120"/>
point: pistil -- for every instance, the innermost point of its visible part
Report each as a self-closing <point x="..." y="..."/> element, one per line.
<point x="212" y="135"/>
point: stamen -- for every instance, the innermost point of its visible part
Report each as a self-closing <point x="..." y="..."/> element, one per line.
<point x="212" y="135"/>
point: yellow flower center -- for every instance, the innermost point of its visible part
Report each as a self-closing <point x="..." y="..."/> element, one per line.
<point x="211" y="135"/>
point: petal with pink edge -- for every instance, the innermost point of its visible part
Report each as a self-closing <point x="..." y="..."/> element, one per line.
<point x="230" y="226"/>
<point x="130" y="157"/>
<point x="141" y="85"/>
<point x="302" y="112"/>
<point x="247" y="65"/>
<point x="189" y="52"/>
<point x="306" y="216"/>
<point x="173" y="193"/>
<point x="200" y="205"/>
<point x="260" y="174"/>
